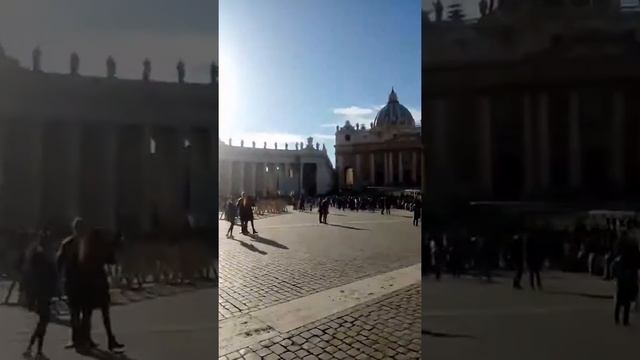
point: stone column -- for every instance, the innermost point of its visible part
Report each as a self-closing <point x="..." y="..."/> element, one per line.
<point x="301" y="183"/>
<point x="543" y="129"/>
<point x="372" y="168"/>
<point x="252" y="178"/>
<point x="144" y="207"/>
<point x="575" y="160"/>
<point x="386" y="168"/>
<point x="400" y="168"/>
<point x="414" y="164"/>
<point x="242" y="178"/>
<point x="111" y="177"/>
<point x="358" y="178"/>
<point x="486" y="145"/>
<point x="528" y="145"/>
<point x="230" y="178"/>
<point x="391" y="169"/>
<point x="617" y="140"/>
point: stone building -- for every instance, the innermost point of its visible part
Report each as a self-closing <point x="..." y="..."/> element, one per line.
<point x="387" y="154"/>
<point x="535" y="101"/>
<point x="123" y="154"/>
<point x="262" y="171"/>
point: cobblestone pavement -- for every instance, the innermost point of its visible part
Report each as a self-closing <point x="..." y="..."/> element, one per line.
<point x="572" y="318"/>
<point x="294" y="256"/>
<point x="384" y="328"/>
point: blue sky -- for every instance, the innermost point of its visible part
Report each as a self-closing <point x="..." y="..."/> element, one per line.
<point x="165" y="31"/>
<point x="295" y="68"/>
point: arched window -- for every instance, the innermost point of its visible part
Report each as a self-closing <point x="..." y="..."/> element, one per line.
<point x="349" y="177"/>
<point x="347" y="137"/>
<point x="290" y="172"/>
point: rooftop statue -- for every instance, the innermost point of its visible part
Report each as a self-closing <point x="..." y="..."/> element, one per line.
<point x="265" y="144"/>
<point x="181" y="71"/>
<point x="286" y="146"/>
<point x="439" y="8"/>
<point x="241" y="143"/>
<point x="111" y="67"/>
<point x="483" y="7"/>
<point x="275" y="145"/>
<point x="146" y="70"/>
<point x="214" y="73"/>
<point x="37" y="55"/>
<point x="74" y="63"/>
<point x="297" y="145"/>
<point x="317" y="146"/>
<point x="324" y="148"/>
<point x="253" y="143"/>
<point x="229" y="141"/>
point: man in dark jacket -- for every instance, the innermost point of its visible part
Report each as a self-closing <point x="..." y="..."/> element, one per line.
<point x="626" y="267"/>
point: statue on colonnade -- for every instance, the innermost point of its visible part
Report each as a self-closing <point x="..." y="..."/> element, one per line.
<point x="36" y="56"/>
<point x="111" y="67"/>
<point x="146" y="70"/>
<point x="74" y="63"/>
<point x="181" y="71"/>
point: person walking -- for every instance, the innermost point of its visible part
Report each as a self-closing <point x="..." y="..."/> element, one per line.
<point x="625" y="269"/>
<point x="67" y="266"/>
<point x="417" y="211"/>
<point x="535" y="259"/>
<point x="252" y="204"/>
<point x="517" y="259"/>
<point x="231" y="212"/>
<point x="243" y="212"/>
<point x="41" y="281"/>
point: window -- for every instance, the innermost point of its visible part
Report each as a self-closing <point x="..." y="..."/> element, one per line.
<point x="152" y="146"/>
<point x="347" y="137"/>
<point x="290" y="173"/>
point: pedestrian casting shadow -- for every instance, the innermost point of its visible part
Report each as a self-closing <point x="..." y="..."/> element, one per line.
<point x="446" y="335"/>
<point x="249" y="246"/>
<point x="263" y="240"/>
<point x="100" y="354"/>
<point x="346" y="227"/>
<point x="580" y="294"/>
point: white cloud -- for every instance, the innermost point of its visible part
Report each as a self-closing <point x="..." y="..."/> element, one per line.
<point x="329" y="125"/>
<point x="416" y="113"/>
<point x="353" y="111"/>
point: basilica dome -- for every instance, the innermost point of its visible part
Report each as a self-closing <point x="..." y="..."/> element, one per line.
<point x="394" y="114"/>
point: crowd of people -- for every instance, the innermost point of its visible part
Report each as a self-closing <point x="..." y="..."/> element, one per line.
<point x="604" y="251"/>
<point x="79" y="265"/>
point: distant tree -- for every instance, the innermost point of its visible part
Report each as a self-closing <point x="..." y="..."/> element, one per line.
<point x="456" y="13"/>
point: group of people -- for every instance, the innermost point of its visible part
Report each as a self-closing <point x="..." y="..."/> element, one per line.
<point x="460" y="252"/>
<point x="242" y="208"/>
<point x="79" y="263"/>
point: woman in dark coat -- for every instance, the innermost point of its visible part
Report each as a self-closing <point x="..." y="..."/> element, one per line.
<point x="95" y="251"/>
<point x="41" y="287"/>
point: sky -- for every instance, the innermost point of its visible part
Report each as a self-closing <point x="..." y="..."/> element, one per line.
<point x="165" y="31"/>
<point x="290" y="69"/>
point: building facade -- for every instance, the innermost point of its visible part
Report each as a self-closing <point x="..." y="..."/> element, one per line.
<point x="533" y="102"/>
<point x="122" y="154"/>
<point x="261" y="172"/>
<point x="388" y="154"/>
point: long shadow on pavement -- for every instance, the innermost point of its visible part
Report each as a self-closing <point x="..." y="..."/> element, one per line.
<point x="263" y="240"/>
<point x="100" y="354"/>
<point x="581" y="294"/>
<point x="446" y="335"/>
<point x="347" y="227"/>
<point x="249" y="246"/>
